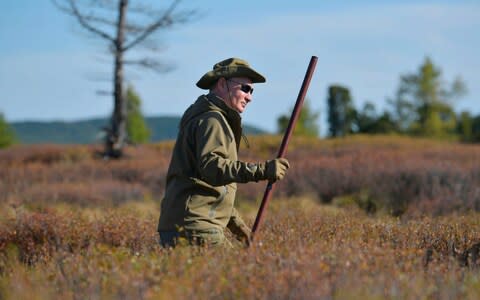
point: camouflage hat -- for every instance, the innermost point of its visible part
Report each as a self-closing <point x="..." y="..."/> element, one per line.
<point x="231" y="67"/>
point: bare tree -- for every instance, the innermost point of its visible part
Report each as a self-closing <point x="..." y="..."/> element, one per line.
<point x="107" y="20"/>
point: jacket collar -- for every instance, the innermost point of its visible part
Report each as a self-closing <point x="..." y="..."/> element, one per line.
<point x="220" y="103"/>
<point x="233" y="117"/>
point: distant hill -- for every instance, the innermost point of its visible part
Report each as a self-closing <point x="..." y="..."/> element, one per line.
<point x="90" y="131"/>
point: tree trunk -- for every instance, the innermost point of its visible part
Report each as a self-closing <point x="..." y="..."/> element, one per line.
<point x="117" y="133"/>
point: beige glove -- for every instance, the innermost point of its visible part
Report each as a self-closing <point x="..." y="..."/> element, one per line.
<point x="239" y="229"/>
<point x="244" y="235"/>
<point x="276" y="169"/>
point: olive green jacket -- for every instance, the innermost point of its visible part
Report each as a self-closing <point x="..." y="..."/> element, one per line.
<point x="204" y="170"/>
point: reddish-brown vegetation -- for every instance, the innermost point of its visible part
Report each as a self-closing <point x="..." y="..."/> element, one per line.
<point x="74" y="226"/>
<point x="304" y="251"/>
<point x="394" y="175"/>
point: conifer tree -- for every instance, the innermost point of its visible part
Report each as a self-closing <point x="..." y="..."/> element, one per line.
<point x="341" y="113"/>
<point x="306" y="123"/>
<point x="423" y="103"/>
<point x="137" y="129"/>
<point x="7" y="136"/>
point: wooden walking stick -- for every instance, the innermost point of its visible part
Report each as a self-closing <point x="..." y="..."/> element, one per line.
<point x="286" y="138"/>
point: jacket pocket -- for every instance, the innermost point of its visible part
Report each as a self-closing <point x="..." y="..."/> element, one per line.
<point x="213" y="207"/>
<point x="204" y="198"/>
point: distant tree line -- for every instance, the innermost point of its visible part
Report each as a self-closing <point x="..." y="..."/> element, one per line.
<point x="137" y="131"/>
<point x="422" y="106"/>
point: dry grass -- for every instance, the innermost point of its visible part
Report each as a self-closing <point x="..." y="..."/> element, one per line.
<point x="304" y="251"/>
<point x="393" y="175"/>
<point x="73" y="226"/>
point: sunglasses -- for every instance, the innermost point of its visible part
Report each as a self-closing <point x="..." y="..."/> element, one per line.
<point x="244" y="87"/>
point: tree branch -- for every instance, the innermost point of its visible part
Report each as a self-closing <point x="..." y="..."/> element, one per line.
<point x="150" y="44"/>
<point x="151" y="64"/>
<point x="163" y="21"/>
<point x="73" y="10"/>
<point x="99" y="20"/>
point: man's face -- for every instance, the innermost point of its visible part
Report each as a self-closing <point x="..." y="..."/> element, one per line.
<point x="239" y="93"/>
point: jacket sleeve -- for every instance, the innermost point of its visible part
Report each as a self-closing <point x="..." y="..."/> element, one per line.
<point x="238" y="227"/>
<point x="214" y="162"/>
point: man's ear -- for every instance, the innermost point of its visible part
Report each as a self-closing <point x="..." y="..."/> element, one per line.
<point x="221" y="87"/>
<point x="222" y="83"/>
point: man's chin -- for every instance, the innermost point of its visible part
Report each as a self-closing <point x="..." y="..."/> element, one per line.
<point x="240" y="109"/>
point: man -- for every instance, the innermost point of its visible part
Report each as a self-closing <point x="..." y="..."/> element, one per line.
<point x="204" y="169"/>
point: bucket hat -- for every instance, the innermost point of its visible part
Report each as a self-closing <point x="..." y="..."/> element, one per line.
<point x="228" y="68"/>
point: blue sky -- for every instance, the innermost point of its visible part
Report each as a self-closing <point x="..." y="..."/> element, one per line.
<point x="50" y="69"/>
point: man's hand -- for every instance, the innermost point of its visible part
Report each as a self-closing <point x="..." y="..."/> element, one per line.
<point x="244" y="235"/>
<point x="276" y="169"/>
